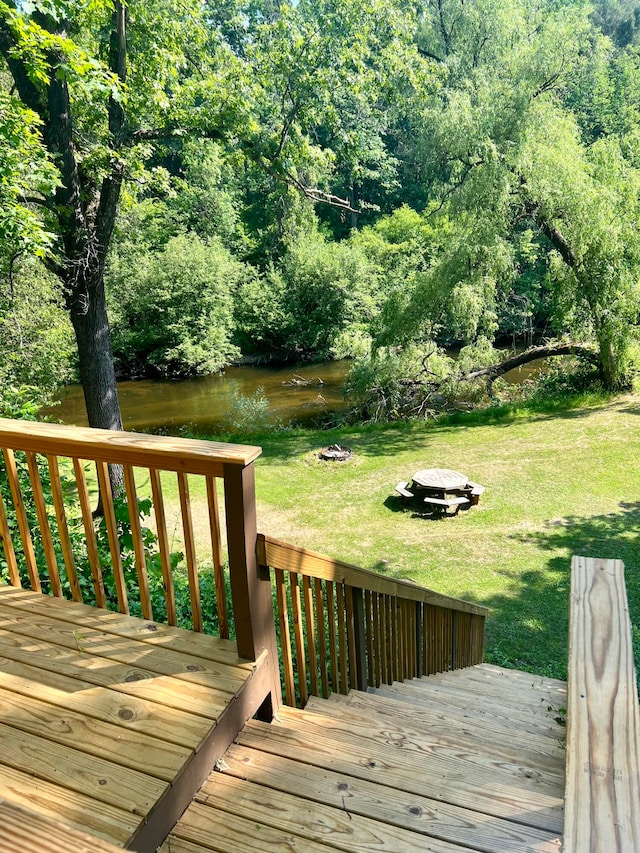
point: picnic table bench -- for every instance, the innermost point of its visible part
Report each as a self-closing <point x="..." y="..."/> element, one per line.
<point x="443" y="504"/>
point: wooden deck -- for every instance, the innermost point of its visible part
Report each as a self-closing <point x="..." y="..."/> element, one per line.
<point x="110" y="723"/>
<point x="467" y="760"/>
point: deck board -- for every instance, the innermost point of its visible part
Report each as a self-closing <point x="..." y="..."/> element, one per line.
<point x="369" y="772"/>
<point x="101" y="715"/>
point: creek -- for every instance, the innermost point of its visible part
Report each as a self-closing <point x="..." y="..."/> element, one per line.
<point x="203" y="404"/>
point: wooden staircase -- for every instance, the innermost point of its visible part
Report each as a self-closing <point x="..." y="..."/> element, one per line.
<point x="466" y="760"/>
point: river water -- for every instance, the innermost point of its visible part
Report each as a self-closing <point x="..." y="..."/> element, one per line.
<point x="204" y="404"/>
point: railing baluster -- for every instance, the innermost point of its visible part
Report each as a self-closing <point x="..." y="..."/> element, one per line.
<point x="388" y="640"/>
<point x="89" y="533"/>
<point x="322" y="637"/>
<point x="354" y="658"/>
<point x="368" y="604"/>
<point x="285" y="638"/>
<point x="63" y="528"/>
<point x="311" y="635"/>
<point x="7" y="547"/>
<point x="190" y="551"/>
<point x="419" y="639"/>
<point x="216" y="553"/>
<point x="379" y="647"/>
<point x="112" y="534"/>
<point x="21" y="517"/>
<point x="138" y="544"/>
<point x="342" y="640"/>
<point x="43" y="521"/>
<point x="333" y="647"/>
<point x="299" y="639"/>
<point x="163" y="545"/>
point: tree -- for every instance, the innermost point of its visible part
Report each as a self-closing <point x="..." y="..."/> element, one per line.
<point x="106" y="80"/>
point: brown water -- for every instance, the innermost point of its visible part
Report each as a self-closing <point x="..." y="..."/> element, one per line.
<point x="202" y="404"/>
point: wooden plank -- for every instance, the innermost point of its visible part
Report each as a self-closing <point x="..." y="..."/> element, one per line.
<point x="446" y="723"/>
<point x="22" y="829"/>
<point x="322" y="637"/>
<point x="177" y="639"/>
<point x="331" y="627"/>
<point x="63" y="528"/>
<point x="77" y="810"/>
<point x="311" y="635"/>
<point x="301" y="663"/>
<point x="603" y="735"/>
<point x="112" y="535"/>
<point x="197" y="676"/>
<point x="351" y="638"/>
<point x="285" y="638"/>
<point x="210" y="828"/>
<point x="43" y="523"/>
<point x="248" y="702"/>
<point x="138" y="544"/>
<point x="62" y="685"/>
<point x="336" y="827"/>
<point x="545" y="776"/>
<point x="342" y="640"/>
<point x="7" y="546"/>
<point x="21" y="518"/>
<point x="378" y="645"/>
<point x="281" y="555"/>
<point x="145" y="451"/>
<point x="496" y="742"/>
<point x="103" y="780"/>
<point x="163" y="545"/>
<point x="190" y="552"/>
<point x="89" y="533"/>
<point x="216" y="555"/>
<point x="453" y="780"/>
<point x="369" y="622"/>
<point x="76" y="731"/>
<point x="411" y="812"/>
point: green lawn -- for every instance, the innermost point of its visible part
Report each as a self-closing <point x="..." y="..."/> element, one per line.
<point x="556" y="484"/>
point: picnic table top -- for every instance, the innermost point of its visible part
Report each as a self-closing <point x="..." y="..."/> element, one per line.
<point x="440" y="478"/>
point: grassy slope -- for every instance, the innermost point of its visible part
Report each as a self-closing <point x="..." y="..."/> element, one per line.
<point x="557" y="484"/>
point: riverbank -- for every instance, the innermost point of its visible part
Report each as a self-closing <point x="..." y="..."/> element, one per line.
<point x="557" y="483"/>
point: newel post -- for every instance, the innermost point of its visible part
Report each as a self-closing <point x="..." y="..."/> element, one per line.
<point x="250" y="583"/>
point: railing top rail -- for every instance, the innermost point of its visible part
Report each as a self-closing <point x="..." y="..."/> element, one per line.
<point x="188" y="455"/>
<point x="603" y="718"/>
<point x="281" y="555"/>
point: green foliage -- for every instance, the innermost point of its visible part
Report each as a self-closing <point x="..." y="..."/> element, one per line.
<point x="25" y="169"/>
<point x="36" y="340"/>
<point x="318" y="291"/>
<point x="174" y="315"/>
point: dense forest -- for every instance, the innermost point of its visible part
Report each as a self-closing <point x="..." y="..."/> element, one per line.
<point x="184" y="183"/>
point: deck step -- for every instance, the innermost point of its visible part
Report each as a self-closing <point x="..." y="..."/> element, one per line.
<point x="391" y="773"/>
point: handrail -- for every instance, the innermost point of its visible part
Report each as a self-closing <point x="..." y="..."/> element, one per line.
<point x="602" y="794"/>
<point x="353" y="628"/>
<point x="48" y="533"/>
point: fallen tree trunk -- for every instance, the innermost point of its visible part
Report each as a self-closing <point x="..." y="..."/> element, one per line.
<point x="492" y="372"/>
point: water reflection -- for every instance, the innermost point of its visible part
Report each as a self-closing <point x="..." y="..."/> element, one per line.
<point x="202" y="404"/>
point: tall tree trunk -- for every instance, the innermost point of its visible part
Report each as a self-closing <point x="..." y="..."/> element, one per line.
<point x="95" y="359"/>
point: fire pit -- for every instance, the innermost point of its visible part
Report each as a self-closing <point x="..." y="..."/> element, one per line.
<point x="335" y="453"/>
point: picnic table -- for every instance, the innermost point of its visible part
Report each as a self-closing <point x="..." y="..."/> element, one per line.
<point x="441" y="489"/>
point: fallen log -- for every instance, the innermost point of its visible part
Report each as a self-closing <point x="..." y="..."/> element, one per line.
<point x="493" y="371"/>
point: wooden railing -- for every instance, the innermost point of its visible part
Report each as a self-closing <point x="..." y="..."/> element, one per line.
<point x="342" y="627"/>
<point x="51" y="542"/>
<point x="602" y="797"/>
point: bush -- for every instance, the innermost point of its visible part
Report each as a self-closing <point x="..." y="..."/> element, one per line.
<point x="174" y="315"/>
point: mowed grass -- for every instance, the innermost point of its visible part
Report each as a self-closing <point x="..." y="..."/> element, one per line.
<point x="557" y="484"/>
